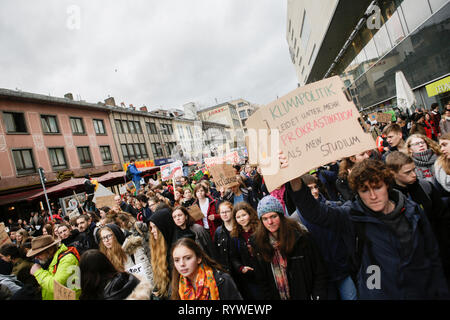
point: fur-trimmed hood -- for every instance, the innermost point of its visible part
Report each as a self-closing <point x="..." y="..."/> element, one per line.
<point x="132" y="244"/>
<point x="142" y="291"/>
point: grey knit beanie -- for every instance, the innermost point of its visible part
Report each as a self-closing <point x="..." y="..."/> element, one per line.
<point x="269" y="204"/>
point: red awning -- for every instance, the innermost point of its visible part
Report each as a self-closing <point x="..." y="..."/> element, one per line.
<point x="110" y="176"/>
<point x="63" y="188"/>
<point x="18" y="196"/>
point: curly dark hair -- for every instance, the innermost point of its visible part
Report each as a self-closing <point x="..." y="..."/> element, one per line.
<point x="369" y="170"/>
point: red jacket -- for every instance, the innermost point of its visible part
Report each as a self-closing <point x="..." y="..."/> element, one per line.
<point x="213" y="225"/>
<point x="429" y="129"/>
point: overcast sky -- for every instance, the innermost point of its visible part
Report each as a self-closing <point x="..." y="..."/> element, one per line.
<point x="158" y="53"/>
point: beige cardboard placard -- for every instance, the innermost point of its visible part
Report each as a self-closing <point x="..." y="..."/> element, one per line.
<point x="384" y="117"/>
<point x="195" y="212"/>
<point x="4" y="237"/>
<point x="224" y="175"/>
<point x="105" y="201"/>
<point x="313" y="125"/>
<point x="61" y="292"/>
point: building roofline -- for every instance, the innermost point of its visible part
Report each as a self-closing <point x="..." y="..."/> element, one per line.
<point x="216" y="106"/>
<point x="45" y="99"/>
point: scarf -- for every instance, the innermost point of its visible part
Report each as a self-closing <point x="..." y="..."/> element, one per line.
<point x="424" y="164"/>
<point x="442" y="177"/>
<point x="279" y="266"/>
<point x="205" y="286"/>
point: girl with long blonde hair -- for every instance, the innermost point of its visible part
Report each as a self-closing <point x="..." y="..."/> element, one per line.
<point x="162" y="228"/>
<point x="110" y="239"/>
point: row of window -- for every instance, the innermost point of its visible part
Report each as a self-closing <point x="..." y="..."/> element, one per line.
<point x="15" y="123"/>
<point x="129" y="126"/>
<point x="139" y="150"/>
<point x="24" y="160"/>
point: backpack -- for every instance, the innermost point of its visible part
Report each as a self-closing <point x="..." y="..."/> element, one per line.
<point x="70" y="250"/>
<point x="128" y="174"/>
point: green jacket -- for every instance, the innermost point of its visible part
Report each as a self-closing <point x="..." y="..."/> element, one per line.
<point x="63" y="272"/>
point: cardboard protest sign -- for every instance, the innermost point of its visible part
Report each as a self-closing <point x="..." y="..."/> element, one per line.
<point x="232" y="157"/>
<point x="4" y="237"/>
<point x="195" y="212"/>
<point x="384" y="117"/>
<point x="171" y="170"/>
<point x="313" y="125"/>
<point x="61" y="292"/>
<point x="224" y="175"/>
<point x="106" y="201"/>
<point x="103" y="197"/>
<point x="131" y="187"/>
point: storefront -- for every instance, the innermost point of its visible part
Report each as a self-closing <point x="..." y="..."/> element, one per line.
<point x="439" y="91"/>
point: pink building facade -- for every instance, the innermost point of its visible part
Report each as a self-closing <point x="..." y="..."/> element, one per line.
<point x="64" y="137"/>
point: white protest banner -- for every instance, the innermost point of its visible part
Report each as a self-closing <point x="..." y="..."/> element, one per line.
<point x="313" y="125"/>
<point x="171" y="170"/>
<point x="232" y="157"/>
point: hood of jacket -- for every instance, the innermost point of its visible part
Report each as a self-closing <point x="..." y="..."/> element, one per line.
<point x="366" y="214"/>
<point x="120" y="287"/>
<point x="132" y="243"/>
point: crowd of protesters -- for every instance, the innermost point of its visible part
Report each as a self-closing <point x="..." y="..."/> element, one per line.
<point x="375" y="225"/>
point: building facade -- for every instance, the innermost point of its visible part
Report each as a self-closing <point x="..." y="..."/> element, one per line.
<point x="227" y="115"/>
<point x="64" y="137"/>
<point x="244" y="109"/>
<point x="141" y="135"/>
<point x="367" y="42"/>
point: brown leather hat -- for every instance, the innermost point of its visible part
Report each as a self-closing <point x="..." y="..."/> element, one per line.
<point x="40" y="244"/>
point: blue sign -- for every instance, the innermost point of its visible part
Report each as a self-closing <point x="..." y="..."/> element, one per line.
<point x="161" y="162"/>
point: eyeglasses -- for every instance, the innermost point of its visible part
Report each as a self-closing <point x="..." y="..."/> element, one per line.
<point x="418" y="143"/>
<point x="107" y="237"/>
<point x="225" y="211"/>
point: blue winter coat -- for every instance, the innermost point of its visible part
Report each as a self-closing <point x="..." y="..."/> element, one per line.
<point x="135" y="173"/>
<point x="419" y="275"/>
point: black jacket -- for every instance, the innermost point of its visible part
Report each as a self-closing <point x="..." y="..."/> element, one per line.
<point x="222" y="241"/>
<point x="89" y="187"/>
<point x="120" y="287"/>
<point x="344" y="189"/>
<point x="305" y="270"/>
<point x="227" y="287"/>
<point x="425" y="194"/>
<point x="77" y="240"/>
<point x="416" y="274"/>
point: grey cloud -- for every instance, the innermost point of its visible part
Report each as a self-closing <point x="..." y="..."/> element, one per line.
<point x="154" y="53"/>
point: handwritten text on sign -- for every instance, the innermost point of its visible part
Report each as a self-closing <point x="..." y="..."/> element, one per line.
<point x="137" y="269"/>
<point x="232" y="157"/>
<point x="312" y="125"/>
<point x="61" y="292"/>
<point x="224" y="175"/>
<point x="172" y="170"/>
